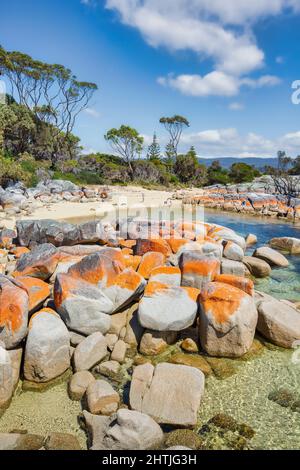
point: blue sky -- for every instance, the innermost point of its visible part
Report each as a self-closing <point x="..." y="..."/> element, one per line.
<point x="228" y="70"/>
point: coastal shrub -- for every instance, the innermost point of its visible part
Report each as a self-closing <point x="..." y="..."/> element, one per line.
<point x="12" y="171"/>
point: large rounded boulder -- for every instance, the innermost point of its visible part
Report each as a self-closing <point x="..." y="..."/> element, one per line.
<point x="228" y="319"/>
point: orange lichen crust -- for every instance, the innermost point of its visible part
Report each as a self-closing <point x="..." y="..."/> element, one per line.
<point x="242" y="283"/>
<point x="38" y="290"/>
<point x="150" y="260"/>
<point x="220" y="300"/>
<point x="176" y="243"/>
<point x="13" y="305"/>
<point x="204" y="267"/>
<point x="128" y="279"/>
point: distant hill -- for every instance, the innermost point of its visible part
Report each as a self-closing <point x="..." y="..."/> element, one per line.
<point x="226" y="162"/>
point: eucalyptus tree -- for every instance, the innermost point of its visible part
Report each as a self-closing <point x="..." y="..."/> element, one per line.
<point x="174" y="126"/>
<point x="127" y="142"/>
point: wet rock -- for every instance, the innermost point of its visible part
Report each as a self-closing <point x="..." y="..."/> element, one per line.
<point x="149" y="261"/>
<point x="183" y="438"/>
<point x="16" y="441"/>
<point x="102" y="398"/>
<point x="251" y="239"/>
<point x="83" y="307"/>
<point x="288" y="244"/>
<point x="40" y="262"/>
<point x="47" y="353"/>
<point x="127" y="430"/>
<point x="119" y="352"/>
<point x="241" y="283"/>
<point x="109" y="368"/>
<point x="161" y="393"/>
<point x="61" y="441"/>
<point x="79" y="383"/>
<point x="90" y="352"/>
<point x="156" y="342"/>
<point x="13" y="312"/>
<point x="191" y="360"/>
<point x="198" y="269"/>
<point x="168" y="308"/>
<point x="272" y="257"/>
<point x="228" y="319"/>
<point x="257" y="267"/>
<point x="278" y="322"/>
<point x="38" y="291"/>
<point x="189" y="345"/>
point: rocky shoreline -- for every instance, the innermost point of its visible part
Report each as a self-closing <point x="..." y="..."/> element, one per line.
<point x="129" y="315"/>
<point x="258" y="199"/>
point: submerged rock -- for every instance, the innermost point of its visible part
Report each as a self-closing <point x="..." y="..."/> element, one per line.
<point x="278" y="322"/>
<point x="273" y="257"/>
<point x="289" y="244"/>
<point x="257" y="267"/>
<point x="161" y="392"/>
<point x="127" y="430"/>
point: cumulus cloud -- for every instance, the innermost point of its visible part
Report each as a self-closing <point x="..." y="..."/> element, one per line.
<point x="218" y="30"/>
<point x="229" y="142"/>
<point x="215" y="83"/>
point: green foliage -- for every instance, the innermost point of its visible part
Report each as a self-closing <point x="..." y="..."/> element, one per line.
<point x="189" y="170"/>
<point x="154" y="152"/>
<point x="243" y="173"/>
<point x="12" y="171"/>
<point x="174" y="126"/>
<point x="217" y="175"/>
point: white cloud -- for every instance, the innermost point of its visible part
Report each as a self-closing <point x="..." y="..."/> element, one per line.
<point x="215" y="29"/>
<point x="229" y="142"/>
<point x="215" y="83"/>
<point x="236" y="106"/>
<point x="92" y="112"/>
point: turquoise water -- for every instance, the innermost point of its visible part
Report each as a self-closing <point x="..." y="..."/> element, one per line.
<point x="283" y="283"/>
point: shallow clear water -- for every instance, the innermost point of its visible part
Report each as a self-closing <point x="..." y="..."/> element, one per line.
<point x="244" y="395"/>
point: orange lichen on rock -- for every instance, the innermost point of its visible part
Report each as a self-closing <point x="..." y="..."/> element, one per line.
<point x="38" y="290"/>
<point x="132" y="261"/>
<point x="192" y="292"/>
<point x="242" y="283"/>
<point x="127" y="243"/>
<point x="128" y="279"/>
<point x="18" y="251"/>
<point x="221" y="300"/>
<point x="67" y="286"/>
<point x="176" y="243"/>
<point x="13" y="307"/>
<point x="154" y="287"/>
<point x="127" y="251"/>
<point x="165" y="270"/>
<point x="149" y="261"/>
<point x="145" y="245"/>
<point x="99" y="268"/>
<point x="204" y="267"/>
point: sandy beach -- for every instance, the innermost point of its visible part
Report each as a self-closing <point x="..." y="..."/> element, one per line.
<point x="129" y="197"/>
